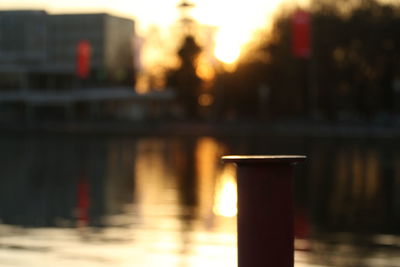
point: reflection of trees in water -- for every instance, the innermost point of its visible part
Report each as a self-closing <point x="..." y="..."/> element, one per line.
<point x="355" y="193"/>
<point x="47" y="178"/>
<point x="195" y="161"/>
<point x="353" y="187"/>
<point x="345" y="185"/>
<point x="187" y="183"/>
<point x="187" y="189"/>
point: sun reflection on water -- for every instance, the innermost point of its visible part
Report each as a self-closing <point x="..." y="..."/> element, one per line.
<point x="225" y="200"/>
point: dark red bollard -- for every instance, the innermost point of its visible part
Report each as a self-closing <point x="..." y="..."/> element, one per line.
<point x="265" y="210"/>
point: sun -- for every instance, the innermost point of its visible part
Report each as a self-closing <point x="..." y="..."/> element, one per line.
<point x="236" y="23"/>
<point x="227" y="47"/>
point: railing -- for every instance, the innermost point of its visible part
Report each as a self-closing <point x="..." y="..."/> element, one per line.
<point x="82" y="95"/>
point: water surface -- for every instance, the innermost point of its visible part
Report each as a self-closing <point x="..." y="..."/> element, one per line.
<point x="169" y="201"/>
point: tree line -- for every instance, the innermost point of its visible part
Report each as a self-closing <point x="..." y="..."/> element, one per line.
<point x="353" y="71"/>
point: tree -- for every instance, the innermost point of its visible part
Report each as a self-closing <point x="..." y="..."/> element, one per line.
<point x="185" y="80"/>
<point x="354" y="64"/>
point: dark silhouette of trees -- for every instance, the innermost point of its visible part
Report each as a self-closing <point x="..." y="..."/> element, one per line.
<point x="185" y="80"/>
<point x="356" y="55"/>
<point x="237" y="93"/>
<point x="353" y="68"/>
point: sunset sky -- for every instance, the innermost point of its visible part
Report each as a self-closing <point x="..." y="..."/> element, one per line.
<point x="234" y="21"/>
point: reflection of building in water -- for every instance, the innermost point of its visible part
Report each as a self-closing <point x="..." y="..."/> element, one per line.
<point x="38" y="183"/>
<point x="38" y="50"/>
<point x="120" y="182"/>
<point x="59" y="180"/>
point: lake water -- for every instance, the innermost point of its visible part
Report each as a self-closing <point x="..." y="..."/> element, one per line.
<point x="88" y="200"/>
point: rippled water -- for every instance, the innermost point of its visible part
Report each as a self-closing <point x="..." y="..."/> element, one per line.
<point x="169" y="201"/>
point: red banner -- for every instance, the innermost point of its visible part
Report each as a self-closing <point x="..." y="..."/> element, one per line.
<point x="301" y="25"/>
<point x="83" y="201"/>
<point x="83" y="59"/>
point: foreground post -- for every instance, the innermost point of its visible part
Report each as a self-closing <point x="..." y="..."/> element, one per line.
<point x="265" y="210"/>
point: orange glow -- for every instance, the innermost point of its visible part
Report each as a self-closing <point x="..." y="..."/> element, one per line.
<point x="225" y="201"/>
<point x="204" y="70"/>
<point x="206" y="153"/>
<point x="142" y="84"/>
<point x="205" y="100"/>
<point x="236" y="23"/>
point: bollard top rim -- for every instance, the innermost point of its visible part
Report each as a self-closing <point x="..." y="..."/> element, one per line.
<point x="263" y="159"/>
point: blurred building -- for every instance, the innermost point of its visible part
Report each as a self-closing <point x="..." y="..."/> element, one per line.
<point x="39" y="51"/>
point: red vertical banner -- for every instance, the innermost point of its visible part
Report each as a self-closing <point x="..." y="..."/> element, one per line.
<point x="301" y="31"/>
<point x="83" y="201"/>
<point x="83" y="52"/>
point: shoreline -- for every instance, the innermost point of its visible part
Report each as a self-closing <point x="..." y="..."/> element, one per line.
<point x="214" y="128"/>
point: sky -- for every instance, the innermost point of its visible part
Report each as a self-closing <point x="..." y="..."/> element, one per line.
<point x="234" y="21"/>
<point x="158" y="11"/>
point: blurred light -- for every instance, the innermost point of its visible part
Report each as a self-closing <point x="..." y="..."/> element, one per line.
<point x="226" y="49"/>
<point x="204" y="70"/>
<point x="205" y="100"/>
<point x="373" y="171"/>
<point x="236" y="22"/>
<point x="142" y="84"/>
<point x="225" y="202"/>
<point x="339" y="54"/>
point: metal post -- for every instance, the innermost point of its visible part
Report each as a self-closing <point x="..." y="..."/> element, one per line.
<point x="265" y="210"/>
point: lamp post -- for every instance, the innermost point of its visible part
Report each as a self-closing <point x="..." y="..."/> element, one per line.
<point x="265" y="209"/>
<point x="185" y="7"/>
